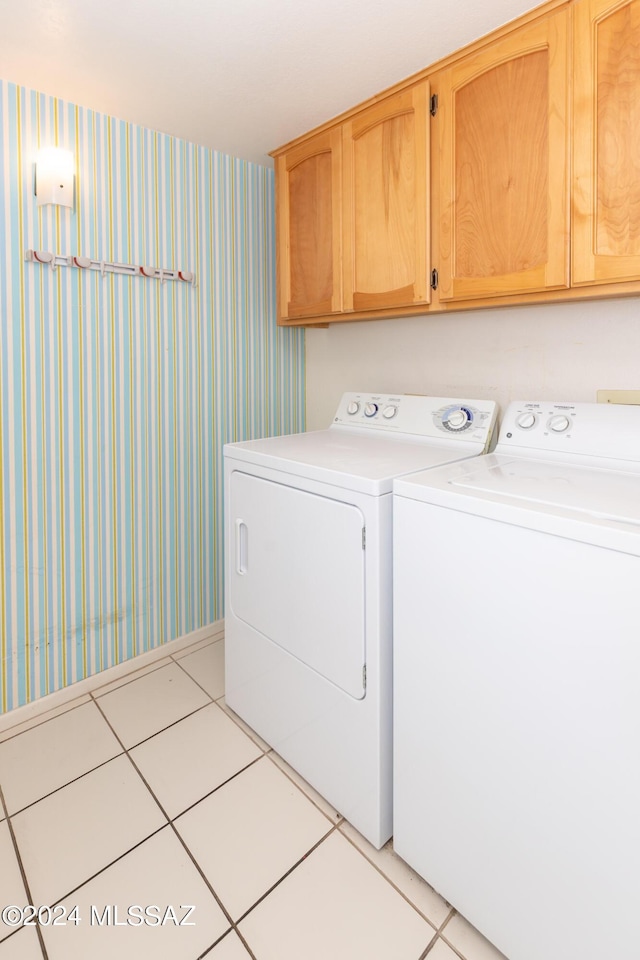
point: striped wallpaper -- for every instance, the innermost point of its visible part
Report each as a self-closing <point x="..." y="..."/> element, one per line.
<point x="117" y="393"/>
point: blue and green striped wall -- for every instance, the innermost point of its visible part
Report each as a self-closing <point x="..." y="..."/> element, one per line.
<point x="117" y="392"/>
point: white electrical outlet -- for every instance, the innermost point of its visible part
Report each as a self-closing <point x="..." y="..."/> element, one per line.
<point x="619" y="396"/>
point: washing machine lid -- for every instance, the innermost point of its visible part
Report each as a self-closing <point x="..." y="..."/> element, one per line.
<point x="591" y="504"/>
<point x="351" y="460"/>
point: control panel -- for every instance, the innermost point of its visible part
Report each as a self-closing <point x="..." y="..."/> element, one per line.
<point x="585" y="429"/>
<point x="418" y="416"/>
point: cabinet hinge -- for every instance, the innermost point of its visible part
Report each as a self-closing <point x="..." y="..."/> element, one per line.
<point x="434" y="279"/>
<point x="364" y="539"/>
<point x="433" y="105"/>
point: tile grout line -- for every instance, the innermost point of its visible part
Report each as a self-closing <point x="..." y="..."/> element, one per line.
<point x="429" y="947"/>
<point x="178" y="664"/>
<point x="209" y="950"/>
<point x="23" y="874"/>
<point x="457" y="950"/>
<point x="80" y="776"/>
<point x="305" y="856"/>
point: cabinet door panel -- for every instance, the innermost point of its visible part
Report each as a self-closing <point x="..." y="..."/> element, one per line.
<point x="607" y="142"/>
<point x="503" y="154"/>
<point x="309" y="238"/>
<point x="385" y="213"/>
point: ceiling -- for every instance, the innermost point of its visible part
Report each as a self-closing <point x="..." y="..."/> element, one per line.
<point x="242" y="77"/>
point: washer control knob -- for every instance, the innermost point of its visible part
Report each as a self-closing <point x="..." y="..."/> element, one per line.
<point x="353" y="407"/>
<point x="389" y="412"/>
<point x="458" y="419"/>
<point x="526" y="420"/>
<point x="370" y="409"/>
<point x="559" y="423"/>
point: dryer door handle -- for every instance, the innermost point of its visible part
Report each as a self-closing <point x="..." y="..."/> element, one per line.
<point x="242" y="544"/>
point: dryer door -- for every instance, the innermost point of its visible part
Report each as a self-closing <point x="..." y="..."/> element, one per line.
<point x="297" y="575"/>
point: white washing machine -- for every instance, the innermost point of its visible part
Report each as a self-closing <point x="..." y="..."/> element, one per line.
<point x="308" y="586"/>
<point x="517" y="682"/>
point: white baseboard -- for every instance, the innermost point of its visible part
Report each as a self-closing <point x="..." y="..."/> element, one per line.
<point x="59" y="697"/>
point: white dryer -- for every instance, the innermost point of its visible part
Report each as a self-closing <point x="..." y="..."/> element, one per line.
<point x="517" y="682"/>
<point x="308" y="614"/>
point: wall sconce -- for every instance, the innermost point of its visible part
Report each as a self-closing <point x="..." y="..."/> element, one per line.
<point x="54" y="177"/>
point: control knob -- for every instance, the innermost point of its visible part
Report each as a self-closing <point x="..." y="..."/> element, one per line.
<point x="458" y="419"/>
<point x="389" y="412"/>
<point x="353" y="407"/>
<point x="526" y="420"/>
<point x="370" y="409"/>
<point x="559" y="423"/>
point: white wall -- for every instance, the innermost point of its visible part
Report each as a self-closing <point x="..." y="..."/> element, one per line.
<point x="548" y="351"/>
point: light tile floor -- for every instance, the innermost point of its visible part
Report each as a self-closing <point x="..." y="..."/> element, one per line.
<point x="150" y="792"/>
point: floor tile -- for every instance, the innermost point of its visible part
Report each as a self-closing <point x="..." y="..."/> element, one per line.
<point x="222" y="703"/>
<point x="151" y="703"/>
<point x="335" y="904"/>
<point x="193" y="757"/>
<point x="54" y="753"/>
<point x="133" y="674"/>
<point x="422" y="896"/>
<point x="76" y="831"/>
<point x="159" y="872"/>
<point x="231" y="948"/>
<point x="313" y="795"/>
<point x="8" y="730"/>
<point x="23" y="945"/>
<point x="468" y="942"/>
<point x="247" y="834"/>
<point x="206" y="666"/>
<point x="11" y="886"/>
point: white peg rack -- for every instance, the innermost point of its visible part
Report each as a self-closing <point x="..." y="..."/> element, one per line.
<point x="55" y="260"/>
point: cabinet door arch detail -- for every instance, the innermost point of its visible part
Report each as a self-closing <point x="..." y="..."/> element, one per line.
<point x="386" y="203"/>
<point x="607" y="142"/>
<point x="499" y="190"/>
<point x="503" y="154"/>
<point x="309" y="235"/>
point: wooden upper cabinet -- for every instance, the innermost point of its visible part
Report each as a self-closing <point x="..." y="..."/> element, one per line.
<point x="606" y="166"/>
<point x="386" y="203"/>
<point x="309" y="239"/>
<point x="503" y="166"/>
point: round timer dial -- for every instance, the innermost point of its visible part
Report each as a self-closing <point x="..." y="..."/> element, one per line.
<point x="457" y="419"/>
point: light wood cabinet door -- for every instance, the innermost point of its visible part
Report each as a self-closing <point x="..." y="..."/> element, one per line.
<point x="308" y="203"/>
<point x="606" y="167"/>
<point x="503" y="166"/>
<point x="386" y="203"/>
